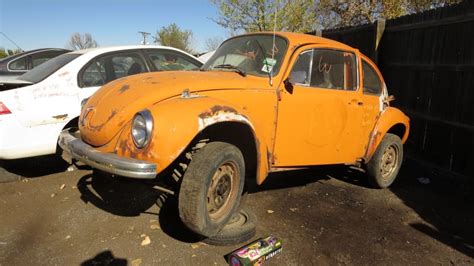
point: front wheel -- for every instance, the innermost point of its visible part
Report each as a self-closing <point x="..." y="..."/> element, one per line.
<point x="385" y="164"/>
<point x="211" y="188"/>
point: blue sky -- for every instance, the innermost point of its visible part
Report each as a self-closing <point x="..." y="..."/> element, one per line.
<point x="49" y="23"/>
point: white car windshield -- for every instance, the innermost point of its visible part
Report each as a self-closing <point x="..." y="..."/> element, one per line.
<point x="254" y="54"/>
<point x="44" y="70"/>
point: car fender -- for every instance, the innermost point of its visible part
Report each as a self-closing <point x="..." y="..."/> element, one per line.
<point x="389" y="118"/>
<point x="177" y="122"/>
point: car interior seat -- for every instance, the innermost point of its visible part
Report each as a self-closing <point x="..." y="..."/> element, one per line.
<point x="135" y="68"/>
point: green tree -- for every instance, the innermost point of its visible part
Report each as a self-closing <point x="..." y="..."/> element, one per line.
<point x="173" y="36"/>
<point x="7" y="52"/>
<point x="259" y="15"/>
<point x="308" y="15"/>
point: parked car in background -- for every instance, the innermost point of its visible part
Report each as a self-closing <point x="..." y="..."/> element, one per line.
<point x="204" y="57"/>
<point x="14" y="66"/>
<point x="261" y="103"/>
<point x="48" y="98"/>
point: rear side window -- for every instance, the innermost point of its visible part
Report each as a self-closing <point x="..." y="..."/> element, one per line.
<point x="372" y="83"/>
<point x="19" y="64"/>
<point x="39" y="58"/>
<point x="111" y="67"/>
<point x="169" y="60"/>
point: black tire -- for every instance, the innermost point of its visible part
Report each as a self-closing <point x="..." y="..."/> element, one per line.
<point x="240" y="228"/>
<point x="211" y="188"/>
<point x="6" y="176"/>
<point x="383" y="167"/>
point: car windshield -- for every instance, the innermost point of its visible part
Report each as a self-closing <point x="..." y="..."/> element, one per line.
<point x="44" y="70"/>
<point x="249" y="54"/>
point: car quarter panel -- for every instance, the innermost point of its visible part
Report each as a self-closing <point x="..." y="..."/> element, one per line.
<point x="389" y="118"/>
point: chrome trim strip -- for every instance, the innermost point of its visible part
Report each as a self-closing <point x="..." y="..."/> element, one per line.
<point x="108" y="162"/>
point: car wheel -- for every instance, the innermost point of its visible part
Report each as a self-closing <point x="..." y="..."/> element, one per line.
<point x="6" y="176"/>
<point x="385" y="164"/>
<point x="240" y="228"/>
<point x="211" y="188"/>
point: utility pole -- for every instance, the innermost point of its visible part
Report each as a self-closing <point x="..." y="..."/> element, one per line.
<point x="19" y="48"/>
<point x="144" y="34"/>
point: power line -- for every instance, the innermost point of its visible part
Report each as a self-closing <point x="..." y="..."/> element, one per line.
<point x="19" y="48"/>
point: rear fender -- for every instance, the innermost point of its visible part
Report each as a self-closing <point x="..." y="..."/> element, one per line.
<point x="388" y="119"/>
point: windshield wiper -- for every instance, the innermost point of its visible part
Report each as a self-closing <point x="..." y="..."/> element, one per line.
<point x="235" y="68"/>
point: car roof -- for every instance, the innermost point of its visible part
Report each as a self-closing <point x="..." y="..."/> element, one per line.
<point x="102" y="50"/>
<point x="299" y="39"/>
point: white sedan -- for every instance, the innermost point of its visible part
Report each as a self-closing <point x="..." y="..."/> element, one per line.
<point x="36" y="107"/>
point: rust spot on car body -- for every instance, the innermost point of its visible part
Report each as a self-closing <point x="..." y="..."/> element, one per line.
<point x="100" y="126"/>
<point x="216" y="109"/>
<point x="60" y="117"/>
<point x="124" y="88"/>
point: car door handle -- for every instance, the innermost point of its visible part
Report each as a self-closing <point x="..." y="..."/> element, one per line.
<point x="359" y="103"/>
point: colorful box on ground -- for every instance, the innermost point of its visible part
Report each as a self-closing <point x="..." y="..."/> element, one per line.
<point x="256" y="252"/>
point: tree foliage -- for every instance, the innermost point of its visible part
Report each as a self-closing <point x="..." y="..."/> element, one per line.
<point x="259" y="15"/>
<point x="213" y="43"/>
<point x="308" y="15"/>
<point x="173" y="36"/>
<point x="7" y="52"/>
<point x="79" y="41"/>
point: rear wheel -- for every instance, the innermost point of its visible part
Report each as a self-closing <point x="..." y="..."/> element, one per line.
<point x="211" y="188"/>
<point x="385" y="164"/>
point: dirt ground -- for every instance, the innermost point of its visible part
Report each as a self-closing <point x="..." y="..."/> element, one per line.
<point x="324" y="216"/>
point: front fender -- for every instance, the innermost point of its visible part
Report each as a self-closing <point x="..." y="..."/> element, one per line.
<point x="389" y="118"/>
<point x="176" y="122"/>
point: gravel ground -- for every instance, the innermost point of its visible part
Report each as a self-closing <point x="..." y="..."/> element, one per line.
<point x="324" y="216"/>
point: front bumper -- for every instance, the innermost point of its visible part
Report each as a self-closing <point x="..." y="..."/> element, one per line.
<point x="108" y="162"/>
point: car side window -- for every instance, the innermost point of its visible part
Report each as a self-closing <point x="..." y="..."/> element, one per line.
<point x="301" y="69"/>
<point x="168" y="60"/>
<point x="372" y="83"/>
<point x="39" y="58"/>
<point x="127" y="64"/>
<point x="111" y="67"/>
<point x="19" y="64"/>
<point x="94" y="74"/>
<point x="333" y="69"/>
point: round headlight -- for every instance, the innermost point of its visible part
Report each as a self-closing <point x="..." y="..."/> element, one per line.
<point x="142" y="126"/>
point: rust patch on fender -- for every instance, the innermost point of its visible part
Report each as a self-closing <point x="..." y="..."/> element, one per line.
<point x="124" y="88"/>
<point x="60" y="117"/>
<point x="99" y="127"/>
<point x="216" y="109"/>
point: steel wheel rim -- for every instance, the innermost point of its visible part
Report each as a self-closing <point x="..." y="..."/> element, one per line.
<point x="222" y="190"/>
<point x="389" y="161"/>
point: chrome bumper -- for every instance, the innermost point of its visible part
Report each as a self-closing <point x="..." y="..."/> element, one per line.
<point x="108" y="162"/>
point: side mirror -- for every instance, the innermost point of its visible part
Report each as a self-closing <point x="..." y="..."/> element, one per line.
<point x="288" y="85"/>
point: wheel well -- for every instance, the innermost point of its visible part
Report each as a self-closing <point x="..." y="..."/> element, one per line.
<point x="73" y="123"/>
<point x="239" y="135"/>
<point x="398" y="129"/>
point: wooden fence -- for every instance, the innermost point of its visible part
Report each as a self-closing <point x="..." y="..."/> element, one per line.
<point x="427" y="60"/>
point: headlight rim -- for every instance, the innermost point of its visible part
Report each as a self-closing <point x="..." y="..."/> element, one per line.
<point x="148" y="118"/>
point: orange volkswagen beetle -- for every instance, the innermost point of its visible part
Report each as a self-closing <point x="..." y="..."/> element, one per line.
<point x="262" y="102"/>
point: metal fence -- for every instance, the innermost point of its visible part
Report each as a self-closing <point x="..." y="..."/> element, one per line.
<point x="427" y="60"/>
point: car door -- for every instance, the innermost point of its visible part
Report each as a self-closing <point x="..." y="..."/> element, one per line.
<point x="319" y="114"/>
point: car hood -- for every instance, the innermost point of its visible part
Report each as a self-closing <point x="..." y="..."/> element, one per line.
<point x="113" y="105"/>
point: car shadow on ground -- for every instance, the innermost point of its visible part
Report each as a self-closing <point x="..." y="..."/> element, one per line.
<point x="35" y="166"/>
<point x="445" y="203"/>
<point x="301" y="177"/>
<point x="105" y="258"/>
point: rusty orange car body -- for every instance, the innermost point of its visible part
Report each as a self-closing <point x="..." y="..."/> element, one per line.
<point x="276" y="122"/>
